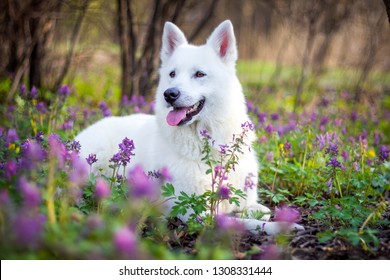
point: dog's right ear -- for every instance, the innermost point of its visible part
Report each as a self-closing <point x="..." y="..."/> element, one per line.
<point x="171" y="39"/>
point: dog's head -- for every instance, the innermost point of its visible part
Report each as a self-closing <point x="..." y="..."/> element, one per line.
<point x="194" y="79"/>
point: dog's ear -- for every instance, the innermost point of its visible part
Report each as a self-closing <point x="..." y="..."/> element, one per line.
<point x="171" y="39"/>
<point x="223" y="41"/>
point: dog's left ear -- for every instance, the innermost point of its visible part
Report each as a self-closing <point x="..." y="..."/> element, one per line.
<point x="171" y="39"/>
<point x="223" y="41"/>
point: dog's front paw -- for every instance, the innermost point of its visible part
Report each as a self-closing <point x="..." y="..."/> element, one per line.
<point x="275" y="228"/>
<point x="259" y="212"/>
<point x="297" y="227"/>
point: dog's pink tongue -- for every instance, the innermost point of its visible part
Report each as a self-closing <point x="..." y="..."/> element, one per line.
<point x="175" y="116"/>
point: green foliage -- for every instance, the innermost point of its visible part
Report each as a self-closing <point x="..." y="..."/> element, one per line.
<point x="347" y="197"/>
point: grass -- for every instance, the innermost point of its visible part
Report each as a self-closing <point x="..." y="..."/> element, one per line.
<point x="330" y="157"/>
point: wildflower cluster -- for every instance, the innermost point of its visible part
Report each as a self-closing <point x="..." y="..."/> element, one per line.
<point x="123" y="156"/>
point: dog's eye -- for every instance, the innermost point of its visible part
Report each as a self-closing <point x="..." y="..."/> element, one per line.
<point x="199" y="74"/>
<point x="172" y="74"/>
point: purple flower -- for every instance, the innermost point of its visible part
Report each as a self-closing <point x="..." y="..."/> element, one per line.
<point x="321" y="141"/>
<point x="67" y="125"/>
<point x="286" y="214"/>
<point x="325" y="102"/>
<point x="39" y="137"/>
<point x="224" y="192"/>
<point x="338" y="122"/>
<point x="30" y="194"/>
<point x="333" y="162"/>
<point x="119" y="178"/>
<point x="57" y="149"/>
<point x="140" y="184"/>
<point x="41" y="107"/>
<point x="11" y="168"/>
<point x="275" y="116"/>
<point x="354" y="116"/>
<point x="79" y="171"/>
<point x="64" y="91"/>
<point x="126" y="148"/>
<point x="33" y="93"/>
<point x="220" y="174"/>
<point x="262" y="117"/>
<point x="205" y="134"/>
<point x="356" y="166"/>
<point x="104" y="109"/>
<point x="91" y="159"/>
<point x="33" y="153"/>
<point x="270" y="156"/>
<point x="332" y="149"/>
<point x="324" y="139"/>
<point x="22" y="91"/>
<point x="324" y="121"/>
<point x="4" y="198"/>
<point x="345" y="155"/>
<point x="95" y="221"/>
<point x="223" y="149"/>
<point x="329" y="183"/>
<point x="246" y="126"/>
<point x="383" y="153"/>
<point x="73" y="146"/>
<point x="73" y="112"/>
<point x="102" y="189"/>
<point x="27" y="228"/>
<point x="269" y="129"/>
<point x="249" y="183"/>
<point x="11" y="137"/>
<point x="125" y="241"/>
<point x="313" y="117"/>
<point x="287" y="146"/>
<point x="263" y="139"/>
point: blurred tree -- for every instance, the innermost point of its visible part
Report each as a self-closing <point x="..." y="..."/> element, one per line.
<point x="387" y="4"/>
<point x="82" y="11"/>
<point x="140" y="38"/>
<point x="25" y="27"/>
<point x="334" y="16"/>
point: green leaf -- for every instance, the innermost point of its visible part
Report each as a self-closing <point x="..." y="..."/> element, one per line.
<point x="168" y="190"/>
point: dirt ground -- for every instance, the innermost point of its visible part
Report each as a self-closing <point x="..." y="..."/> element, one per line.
<point x="299" y="245"/>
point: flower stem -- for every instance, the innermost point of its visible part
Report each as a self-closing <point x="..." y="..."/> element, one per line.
<point x="50" y="193"/>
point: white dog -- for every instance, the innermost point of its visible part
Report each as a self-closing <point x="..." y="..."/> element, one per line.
<point x="198" y="90"/>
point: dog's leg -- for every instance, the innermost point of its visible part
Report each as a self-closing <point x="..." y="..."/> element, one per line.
<point x="258" y="211"/>
<point x="271" y="228"/>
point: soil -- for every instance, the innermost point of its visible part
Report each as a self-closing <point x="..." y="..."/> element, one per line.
<point x="298" y="245"/>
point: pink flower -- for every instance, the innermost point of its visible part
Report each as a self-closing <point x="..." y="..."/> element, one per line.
<point x="11" y="168"/>
<point x="30" y="193"/>
<point x="140" y="184"/>
<point x="102" y="189"/>
<point x="28" y="228"/>
<point x="57" y="149"/>
<point x="79" y="172"/>
<point x="125" y="241"/>
<point x="226" y="223"/>
<point x="271" y="252"/>
<point x="166" y="175"/>
<point x="286" y="214"/>
<point x="270" y="156"/>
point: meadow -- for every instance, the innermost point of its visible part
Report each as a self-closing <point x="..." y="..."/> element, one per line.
<point x="324" y="164"/>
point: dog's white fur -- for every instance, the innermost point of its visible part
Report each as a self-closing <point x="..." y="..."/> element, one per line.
<point x="158" y="144"/>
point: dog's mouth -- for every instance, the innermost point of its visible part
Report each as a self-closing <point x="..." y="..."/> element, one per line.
<point x="182" y="115"/>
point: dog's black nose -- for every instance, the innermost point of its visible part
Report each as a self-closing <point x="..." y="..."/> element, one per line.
<point x="171" y="95"/>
